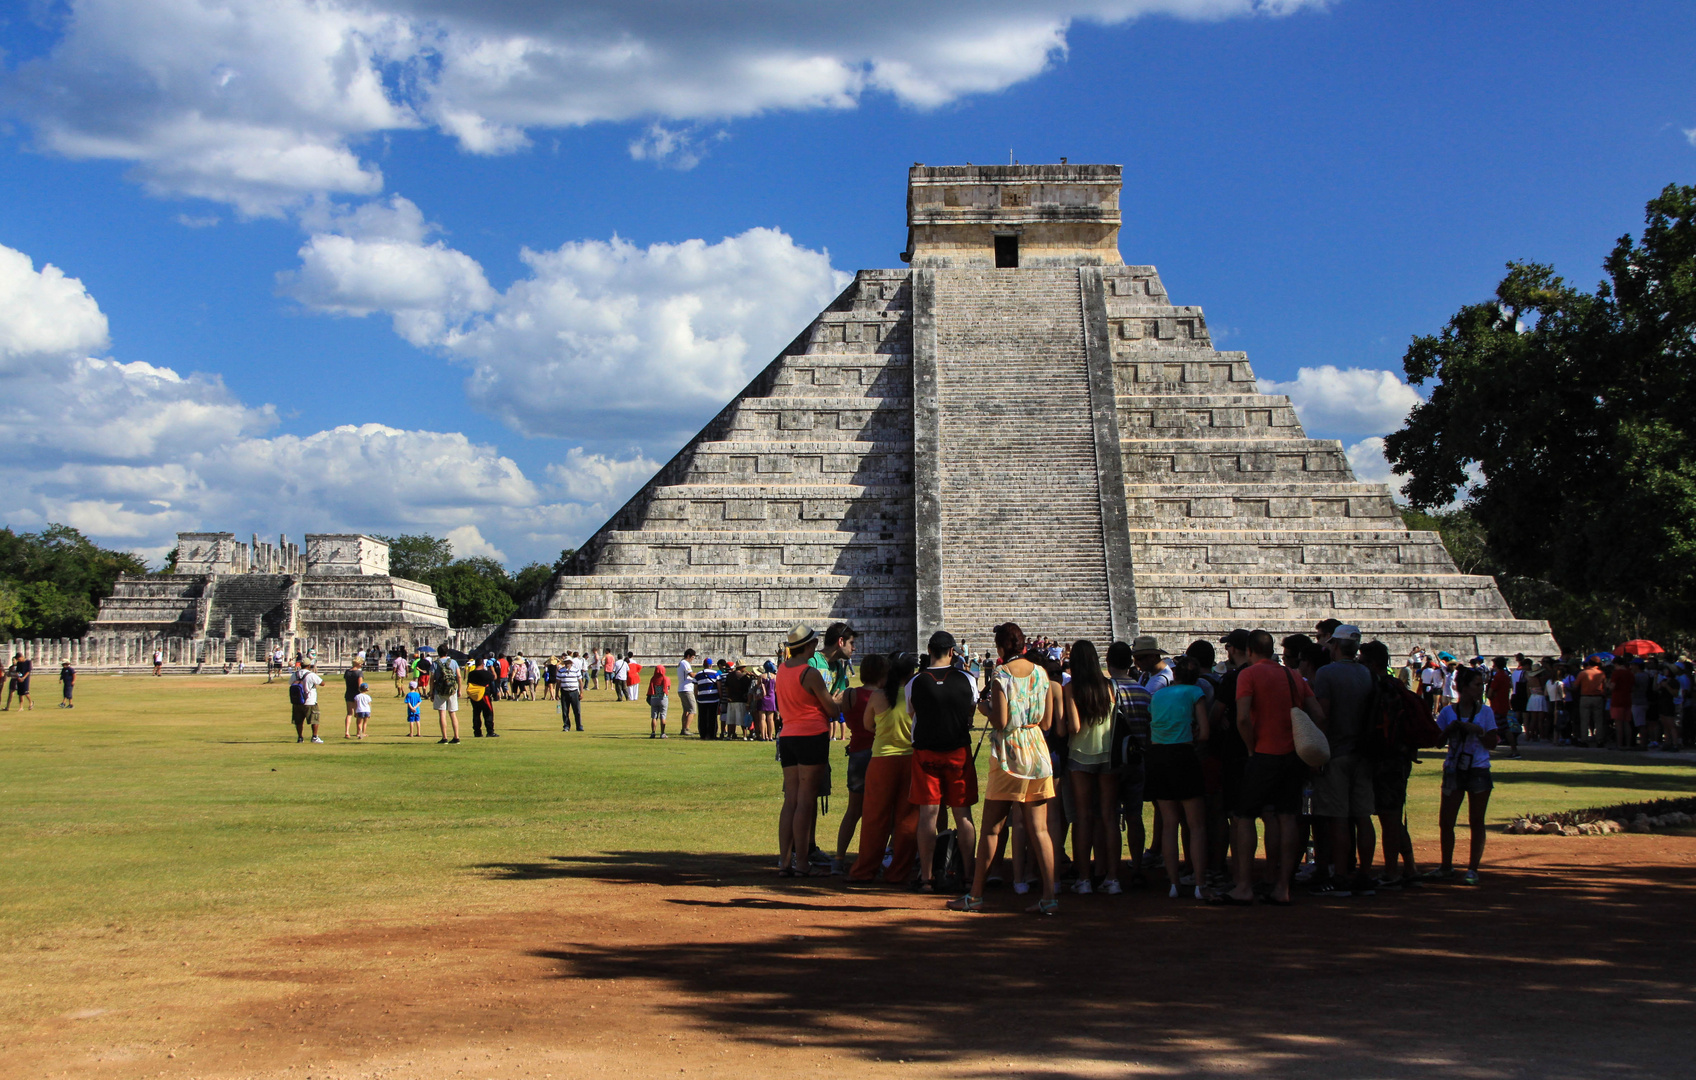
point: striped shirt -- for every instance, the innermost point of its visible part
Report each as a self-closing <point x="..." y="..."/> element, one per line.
<point x="570" y="675"/>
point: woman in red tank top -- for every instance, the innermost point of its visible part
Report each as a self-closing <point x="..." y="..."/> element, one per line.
<point x="807" y="707"/>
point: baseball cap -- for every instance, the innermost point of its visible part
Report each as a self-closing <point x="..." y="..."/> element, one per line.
<point x="1345" y="632"/>
<point x="1236" y="639"/>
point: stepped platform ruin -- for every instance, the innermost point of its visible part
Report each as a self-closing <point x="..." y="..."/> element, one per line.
<point x="227" y="600"/>
<point x="1017" y="426"/>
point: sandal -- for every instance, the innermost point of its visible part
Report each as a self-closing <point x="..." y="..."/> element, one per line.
<point x="924" y="887"/>
<point x="1043" y="907"/>
<point x="967" y="902"/>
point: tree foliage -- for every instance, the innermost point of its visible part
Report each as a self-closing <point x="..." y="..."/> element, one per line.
<point x="417" y="556"/>
<point x="1566" y="419"/>
<point x="52" y="581"/>
<point x="473" y="591"/>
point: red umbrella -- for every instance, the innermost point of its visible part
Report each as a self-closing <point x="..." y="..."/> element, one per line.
<point x="1639" y="647"/>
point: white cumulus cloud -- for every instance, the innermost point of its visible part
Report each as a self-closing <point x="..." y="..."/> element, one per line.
<point x="264" y="104"/>
<point x="132" y="453"/>
<point x="1347" y="402"/>
<point x="1366" y="458"/>
<point x="645" y="340"/>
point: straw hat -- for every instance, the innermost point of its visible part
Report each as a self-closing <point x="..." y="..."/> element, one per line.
<point x="800" y="635"/>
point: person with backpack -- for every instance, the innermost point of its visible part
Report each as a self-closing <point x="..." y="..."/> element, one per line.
<point x="943" y="703"/>
<point x="444" y="695"/>
<point x="1129" y="747"/>
<point x="1470" y="727"/>
<point x="1088" y="705"/>
<point x="303" y="701"/>
<point x="1267" y="695"/>
<point x="1021" y="772"/>
<point x="1342" y="790"/>
<point x="1398" y="724"/>
<point x="889" y="819"/>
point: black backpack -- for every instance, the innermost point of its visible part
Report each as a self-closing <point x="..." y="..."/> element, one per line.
<point x="1131" y="724"/>
<point x="946" y="867"/>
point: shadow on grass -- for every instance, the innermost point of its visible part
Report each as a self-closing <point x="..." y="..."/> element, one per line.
<point x="674" y="868"/>
<point x="1570" y="970"/>
<point x="1660" y="780"/>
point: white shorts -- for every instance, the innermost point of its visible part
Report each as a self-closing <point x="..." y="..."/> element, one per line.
<point x="450" y="703"/>
<point x="736" y="714"/>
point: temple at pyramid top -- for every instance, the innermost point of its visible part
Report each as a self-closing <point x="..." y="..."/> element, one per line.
<point x="1015" y="426"/>
<point x="1012" y="216"/>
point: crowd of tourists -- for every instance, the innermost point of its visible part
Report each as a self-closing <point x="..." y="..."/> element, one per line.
<point x="1632" y="702"/>
<point x="1304" y="745"/>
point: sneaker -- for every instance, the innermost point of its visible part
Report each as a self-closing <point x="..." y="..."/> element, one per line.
<point x="441" y="741"/>
<point x="300" y="738"/>
<point x="494" y="735"/>
<point x="1469" y="878"/>
<point x="651" y="735"/>
<point x="664" y="736"/>
<point x="1304" y="875"/>
<point x="317" y="739"/>
<point x="1186" y="879"/>
<point x="1172" y="893"/>
<point x="1112" y="887"/>
<point x="1328" y="887"/>
<point x="1083" y="887"/>
<point x="476" y="734"/>
<point x="1388" y="884"/>
<point x="453" y="740"/>
<point x="837" y="868"/>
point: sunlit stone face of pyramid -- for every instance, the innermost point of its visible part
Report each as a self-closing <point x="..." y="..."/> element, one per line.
<point x="1016" y="426"/>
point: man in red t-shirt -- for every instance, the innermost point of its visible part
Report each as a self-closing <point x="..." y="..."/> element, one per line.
<point x="1273" y="779"/>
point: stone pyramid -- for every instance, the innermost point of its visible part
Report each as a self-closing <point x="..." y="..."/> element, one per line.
<point x="1018" y="426"/>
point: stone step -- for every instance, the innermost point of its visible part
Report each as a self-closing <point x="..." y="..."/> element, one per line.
<point x="664" y="639"/>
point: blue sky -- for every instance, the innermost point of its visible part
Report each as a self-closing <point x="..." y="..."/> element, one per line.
<point x="298" y="232"/>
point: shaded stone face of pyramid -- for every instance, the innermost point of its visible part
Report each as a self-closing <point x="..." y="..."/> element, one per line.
<point x="1018" y="427"/>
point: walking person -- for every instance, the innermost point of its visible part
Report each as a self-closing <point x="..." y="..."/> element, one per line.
<point x="659" y="698"/>
<point x="17" y="682"/>
<point x="619" y="675"/>
<point x="361" y="710"/>
<point x="803" y="750"/>
<point x="686" y="691"/>
<point x="1088" y="702"/>
<point x="1178" y="723"/>
<point x="1471" y="729"/>
<point x="889" y="820"/>
<point x="570" y="677"/>
<point x="1591" y="685"/>
<point x="67" y="685"/>
<point x="1021" y="773"/>
<point x="444" y="695"/>
<point x="303" y="701"/>
<point x="158" y="663"/>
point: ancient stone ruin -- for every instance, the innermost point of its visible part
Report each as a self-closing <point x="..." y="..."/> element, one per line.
<point x="1017" y="426"/>
<point x="236" y="602"/>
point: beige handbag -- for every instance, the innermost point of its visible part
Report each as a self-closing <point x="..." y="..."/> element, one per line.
<point x="1312" y="746"/>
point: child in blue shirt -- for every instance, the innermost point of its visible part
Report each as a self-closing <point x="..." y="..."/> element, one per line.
<point x="413" y="701"/>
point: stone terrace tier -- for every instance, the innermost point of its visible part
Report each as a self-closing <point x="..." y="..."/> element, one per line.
<point x="1237" y="519"/>
<point x="793" y="505"/>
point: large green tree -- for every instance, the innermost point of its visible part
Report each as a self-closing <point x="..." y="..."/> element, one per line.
<point x="1568" y="420"/>
<point x="417" y="556"/>
<point x="474" y="591"/>
<point x="52" y="581"/>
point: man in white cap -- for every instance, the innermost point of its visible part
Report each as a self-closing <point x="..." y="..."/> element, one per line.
<point x="1342" y="790"/>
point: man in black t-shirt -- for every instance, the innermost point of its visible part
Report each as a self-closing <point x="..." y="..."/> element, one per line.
<point x="351" y="680"/>
<point x="943" y="701"/>
<point x="482" y="703"/>
<point x="19" y="682"/>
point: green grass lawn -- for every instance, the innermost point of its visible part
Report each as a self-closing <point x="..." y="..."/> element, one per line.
<point x="164" y="800"/>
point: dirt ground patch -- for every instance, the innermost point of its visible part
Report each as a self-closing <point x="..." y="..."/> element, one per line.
<point x="1574" y="960"/>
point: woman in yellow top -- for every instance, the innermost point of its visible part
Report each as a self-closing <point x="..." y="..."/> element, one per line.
<point x="1021" y="707"/>
<point x="1089" y="767"/>
<point x="888" y="819"/>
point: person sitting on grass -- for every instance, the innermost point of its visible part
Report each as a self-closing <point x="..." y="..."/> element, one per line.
<point x="1470" y="726"/>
